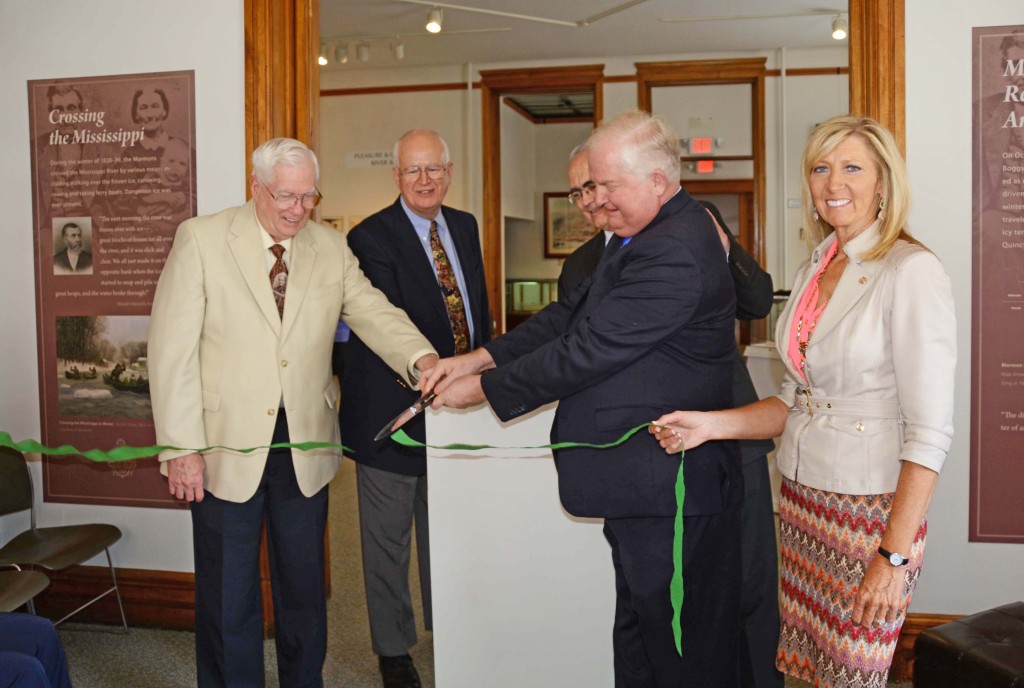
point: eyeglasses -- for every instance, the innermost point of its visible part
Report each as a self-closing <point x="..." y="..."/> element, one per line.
<point x="433" y="171"/>
<point x="287" y="200"/>
<point x="589" y="188"/>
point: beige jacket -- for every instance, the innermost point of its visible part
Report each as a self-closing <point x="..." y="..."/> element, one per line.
<point x="880" y="368"/>
<point x="221" y="357"/>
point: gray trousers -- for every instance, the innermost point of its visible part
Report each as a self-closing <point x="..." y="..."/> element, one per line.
<point x="389" y="505"/>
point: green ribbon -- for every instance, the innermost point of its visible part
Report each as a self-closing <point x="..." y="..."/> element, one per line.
<point x="128" y="453"/>
<point x="675" y="588"/>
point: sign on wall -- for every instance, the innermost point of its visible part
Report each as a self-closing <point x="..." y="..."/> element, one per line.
<point x="113" y="174"/>
<point x="997" y="357"/>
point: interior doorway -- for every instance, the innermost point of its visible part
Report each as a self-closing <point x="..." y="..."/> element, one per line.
<point x="495" y="85"/>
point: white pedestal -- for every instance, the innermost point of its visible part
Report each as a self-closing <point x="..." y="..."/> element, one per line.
<point x="524" y="593"/>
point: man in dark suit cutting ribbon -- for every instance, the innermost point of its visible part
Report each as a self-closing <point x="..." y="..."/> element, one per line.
<point x="654" y="325"/>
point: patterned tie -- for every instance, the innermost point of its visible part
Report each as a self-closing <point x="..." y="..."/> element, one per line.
<point x="278" y="277"/>
<point x="450" y="290"/>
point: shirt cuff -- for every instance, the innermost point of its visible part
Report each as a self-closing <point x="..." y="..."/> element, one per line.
<point x="414" y="374"/>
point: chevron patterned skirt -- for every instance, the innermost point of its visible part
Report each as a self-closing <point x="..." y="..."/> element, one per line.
<point x="826" y="543"/>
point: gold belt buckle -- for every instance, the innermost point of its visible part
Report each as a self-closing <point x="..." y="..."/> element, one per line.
<point x="807" y="394"/>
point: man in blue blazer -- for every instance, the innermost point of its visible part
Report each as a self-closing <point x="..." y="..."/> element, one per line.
<point x="394" y="248"/>
<point x="653" y="328"/>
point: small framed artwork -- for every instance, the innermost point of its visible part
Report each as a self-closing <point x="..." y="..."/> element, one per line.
<point x="565" y="228"/>
<point x="336" y="222"/>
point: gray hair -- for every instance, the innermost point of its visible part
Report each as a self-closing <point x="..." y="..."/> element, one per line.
<point x="446" y="156"/>
<point x="288" y="152"/>
<point x="578" y="151"/>
<point x="650" y="143"/>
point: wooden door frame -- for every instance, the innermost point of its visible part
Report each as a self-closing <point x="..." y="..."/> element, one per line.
<point x="493" y="85"/>
<point x="704" y="72"/>
<point x="282" y="98"/>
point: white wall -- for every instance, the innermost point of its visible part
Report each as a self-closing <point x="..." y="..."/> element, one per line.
<point x="47" y="39"/>
<point x="372" y="123"/>
<point x="361" y="118"/>
<point x="524" y="241"/>
<point x="959" y="577"/>
<point x="518" y="164"/>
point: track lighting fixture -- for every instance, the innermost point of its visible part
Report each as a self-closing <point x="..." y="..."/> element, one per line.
<point x="363" y="52"/>
<point x="840" y="28"/>
<point x="322" y="60"/>
<point x="434" y="17"/>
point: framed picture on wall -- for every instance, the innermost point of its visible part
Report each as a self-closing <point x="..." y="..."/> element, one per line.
<point x="565" y="228"/>
<point x="336" y="222"/>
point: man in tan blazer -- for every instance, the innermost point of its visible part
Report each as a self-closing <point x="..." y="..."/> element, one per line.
<point x="237" y="363"/>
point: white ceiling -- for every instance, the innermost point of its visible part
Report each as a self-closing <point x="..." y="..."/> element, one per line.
<point x="636" y="30"/>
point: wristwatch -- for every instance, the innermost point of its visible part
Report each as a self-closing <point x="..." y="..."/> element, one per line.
<point x="895" y="558"/>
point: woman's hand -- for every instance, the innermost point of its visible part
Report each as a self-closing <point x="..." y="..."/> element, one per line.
<point x="880" y="594"/>
<point x="683" y="430"/>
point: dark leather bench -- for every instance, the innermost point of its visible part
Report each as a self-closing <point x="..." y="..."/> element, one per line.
<point x="984" y="650"/>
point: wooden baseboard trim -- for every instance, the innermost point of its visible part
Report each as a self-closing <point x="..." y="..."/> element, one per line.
<point x="166" y="599"/>
<point x="152" y="599"/>
<point x="902" y="668"/>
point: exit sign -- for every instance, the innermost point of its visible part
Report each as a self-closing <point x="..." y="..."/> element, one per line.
<point x="700" y="146"/>
<point x="705" y="166"/>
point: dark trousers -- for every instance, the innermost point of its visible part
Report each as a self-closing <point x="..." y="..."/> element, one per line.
<point x="389" y="506"/>
<point x="229" y="634"/>
<point x="759" y="639"/>
<point x="645" y="653"/>
<point x="31" y="655"/>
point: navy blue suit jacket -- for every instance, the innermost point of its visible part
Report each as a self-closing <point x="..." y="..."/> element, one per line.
<point x="652" y="332"/>
<point x="392" y="256"/>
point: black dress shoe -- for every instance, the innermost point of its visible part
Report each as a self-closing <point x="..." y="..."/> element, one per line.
<point x="399" y="672"/>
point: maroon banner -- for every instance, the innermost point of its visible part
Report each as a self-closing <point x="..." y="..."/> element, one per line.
<point x="113" y="174"/>
<point x="997" y="354"/>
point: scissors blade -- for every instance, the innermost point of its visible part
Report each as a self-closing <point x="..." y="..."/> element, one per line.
<point x="405" y="416"/>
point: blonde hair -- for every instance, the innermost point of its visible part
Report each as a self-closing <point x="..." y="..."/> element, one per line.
<point x="892" y="175"/>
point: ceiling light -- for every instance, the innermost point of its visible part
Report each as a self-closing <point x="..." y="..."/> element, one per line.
<point x="341" y="53"/>
<point x="840" y="28"/>
<point x="434" y="17"/>
<point x="322" y="60"/>
<point x="363" y="52"/>
<point x="398" y="50"/>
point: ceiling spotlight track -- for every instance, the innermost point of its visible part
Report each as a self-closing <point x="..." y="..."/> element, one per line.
<point x="607" y="13"/>
<point x="529" y="17"/>
<point x="733" y="17"/>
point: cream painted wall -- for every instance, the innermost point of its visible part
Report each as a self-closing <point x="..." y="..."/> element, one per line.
<point x="959" y="577"/>
<point x="47" y="39"/>
<point x="518" y="164"/>
<point x="524" y="240"/>
<point x="372" y="123"/>
<point x="364" y="118"/>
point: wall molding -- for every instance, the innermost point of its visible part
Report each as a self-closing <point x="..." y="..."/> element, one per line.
<point x="152" y="599"/>
<point x="615" y="79"/>
<point x="166" y="599"/>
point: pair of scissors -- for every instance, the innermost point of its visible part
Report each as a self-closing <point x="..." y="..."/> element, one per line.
<point x="405" y="416"/>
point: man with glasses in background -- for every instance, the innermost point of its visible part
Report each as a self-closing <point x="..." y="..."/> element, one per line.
<point x="426" y="258"/>
<point x="240" y="342"/>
